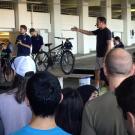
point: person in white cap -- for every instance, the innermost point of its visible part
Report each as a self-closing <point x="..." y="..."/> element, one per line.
<point x="23" y="64"/>
<point x="14" y="112"/>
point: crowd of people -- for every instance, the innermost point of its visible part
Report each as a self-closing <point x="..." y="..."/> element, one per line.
<point x="35" y="104"/>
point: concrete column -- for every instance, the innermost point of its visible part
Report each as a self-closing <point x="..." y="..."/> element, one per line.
<point x="20" y="13"/>
<point x="20" y="18"/>
<point x="126" y="16"/>
<point x="83" y="18"/>
<point x="55" y="21"/>
<point x="106" y="11"/>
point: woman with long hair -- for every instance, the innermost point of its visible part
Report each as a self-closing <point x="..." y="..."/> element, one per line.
<point x="69" y="112"/>
<point x="14" y="112"/>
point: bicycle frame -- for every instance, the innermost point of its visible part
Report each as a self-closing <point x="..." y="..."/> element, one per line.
<point x="56" y="58"/>
<point x="56" y="55"/>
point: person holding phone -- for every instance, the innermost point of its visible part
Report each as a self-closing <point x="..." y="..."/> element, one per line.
<point x="23" y="42"/>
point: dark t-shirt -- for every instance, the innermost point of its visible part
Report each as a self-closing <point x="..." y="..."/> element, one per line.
<point x="102" y="37"/>
<point x="37" y="42"/>
<point x="5" y="53"/>
<point x="22" y="50"/>
<point x="120" y="45"/>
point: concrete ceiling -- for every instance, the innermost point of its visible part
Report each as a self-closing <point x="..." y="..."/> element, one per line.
<point x="93" y="2"/>
<point x="74" y="2"/>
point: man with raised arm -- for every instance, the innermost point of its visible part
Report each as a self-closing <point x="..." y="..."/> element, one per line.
<point x="103" y="44"/>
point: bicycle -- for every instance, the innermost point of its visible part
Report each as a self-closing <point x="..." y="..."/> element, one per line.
<point x="60" y="54"/>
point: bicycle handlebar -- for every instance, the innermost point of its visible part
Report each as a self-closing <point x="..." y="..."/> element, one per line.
<point x="64" y="38"/>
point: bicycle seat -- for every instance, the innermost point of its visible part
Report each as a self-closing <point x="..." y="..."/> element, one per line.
<point x="49" y="44"/>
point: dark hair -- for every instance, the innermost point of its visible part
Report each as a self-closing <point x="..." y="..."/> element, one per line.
<point x="32" y="30"/>
<point x="69" y="112"/>
<point x="117" y="38"/>
<point x="102" y="19"/>
<point x="125" y="94"/>
<point x="19" y="86"/>
<point x="86" y="91"/>
<point x="24" y="27"/>
<point x="44" y="93"/>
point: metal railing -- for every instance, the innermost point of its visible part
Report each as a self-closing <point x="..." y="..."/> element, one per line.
<point x="69" y="11"/>
<point x="6" y="5"/>
<point x="37" y="7"/>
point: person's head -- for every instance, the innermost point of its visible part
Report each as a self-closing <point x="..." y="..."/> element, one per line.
<point x="101" y="22"/>
<point x="23" y="64"/>
<point x="24" y="67"/>
<point x="118" y="63"/>
<point x="125" y="95"/>
<point x="69" y="112"/>
<point x="19" y="86"/>
<point x="33" y="32"/>
<point x="43" y="92"/>
<point x="7" y="41"/>
<point x="23" y="29"/>
<point x="87" y="92"/>
<point x="4" y="46"/>
<point x="116" y="40"/>
<point x="118" y="66"/>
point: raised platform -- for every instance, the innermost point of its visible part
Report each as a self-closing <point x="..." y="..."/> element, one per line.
<point x="83" y="76"/>
<point x="83" y="71"/>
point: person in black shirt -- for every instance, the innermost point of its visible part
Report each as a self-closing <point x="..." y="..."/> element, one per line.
<point x="23" y="42"/>
<point x="117" y="42"/>
<point x="37" y="41"/>
<point x="104" y="41"/>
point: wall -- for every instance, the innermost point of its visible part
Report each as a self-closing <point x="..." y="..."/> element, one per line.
<point x="90" y="41"/>
<point x="116" y="25"/>
<point x="7" y="20"/>
<point x="68" y="22"/>
<point x="41" y="20"/>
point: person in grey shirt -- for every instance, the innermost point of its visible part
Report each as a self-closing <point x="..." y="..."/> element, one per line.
<point x="102" y="116"/>
<point x="14" y="112"/>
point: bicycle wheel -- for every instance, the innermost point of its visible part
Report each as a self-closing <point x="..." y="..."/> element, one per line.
<point x="8" y="74"/>
<point x="41" y="61"/>
<point x="67" y="62"/>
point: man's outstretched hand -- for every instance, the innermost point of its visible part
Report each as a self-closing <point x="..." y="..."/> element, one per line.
<point x="74" y="29"/>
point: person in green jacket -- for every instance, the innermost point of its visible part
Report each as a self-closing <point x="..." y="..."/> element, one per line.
<point x="102" y="116"/>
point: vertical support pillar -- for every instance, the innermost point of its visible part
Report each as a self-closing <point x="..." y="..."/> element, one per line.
<point x="20" y="13"/>
<point x="83" y="18"/>
<point x="106" y="11"/>
<point x="126" y="16"/>
<point x="55" y="21"/>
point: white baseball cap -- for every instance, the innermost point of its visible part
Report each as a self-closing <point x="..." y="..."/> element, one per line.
<point x="23" y="64"/>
